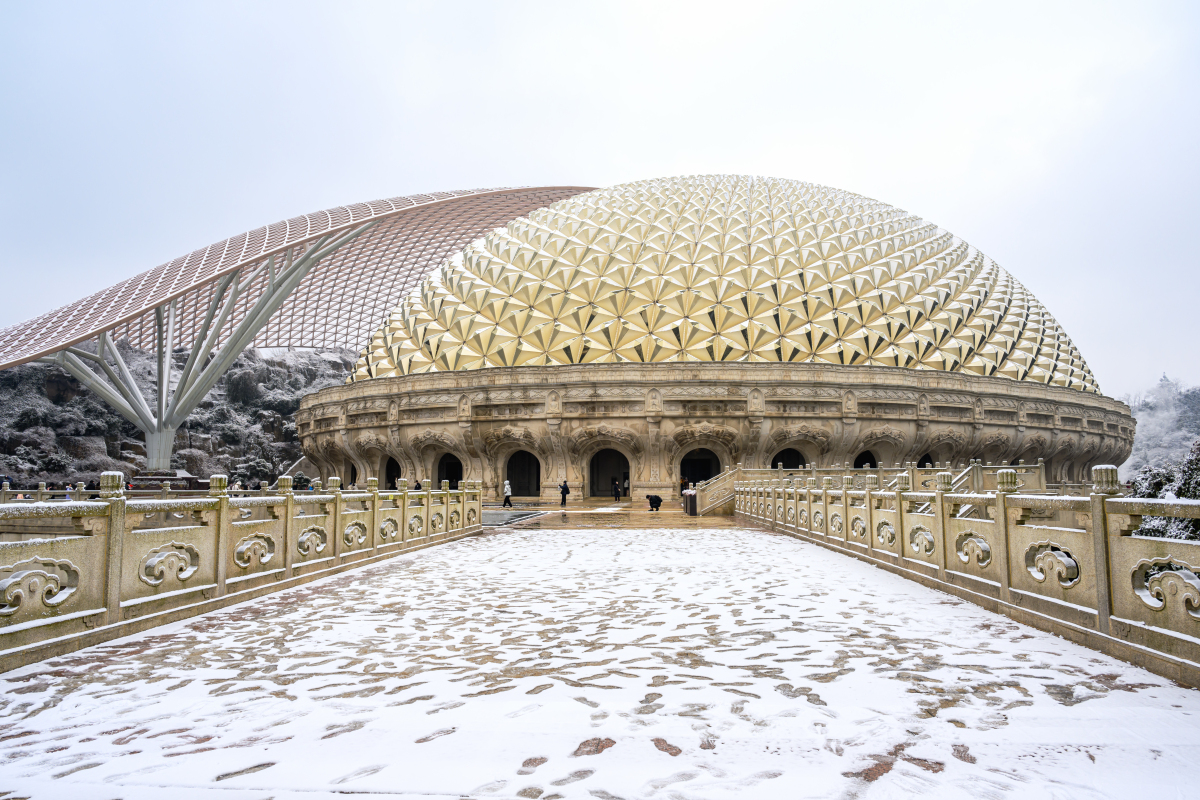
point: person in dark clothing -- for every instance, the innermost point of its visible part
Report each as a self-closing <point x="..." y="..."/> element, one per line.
<point x="616" y="491"/>
<point x="655" y="501"/>
<point x="682" y="485"/>
<point x="565" y="490"/>
<point x="416" y="486"/>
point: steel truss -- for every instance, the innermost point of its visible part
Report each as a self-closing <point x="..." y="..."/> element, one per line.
<point x="323" y="280"/>
<point x="206" y="363"/>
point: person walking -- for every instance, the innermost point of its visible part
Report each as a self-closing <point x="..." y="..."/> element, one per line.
<point x="616" y="491"/>
<point x="564" y="490"/>
<point x="507" y="495"/>
<point x="627" y="487"/>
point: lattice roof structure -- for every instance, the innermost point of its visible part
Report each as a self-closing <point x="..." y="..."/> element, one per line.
<point x="339" y="302"/>
<point x="725" y="268"/>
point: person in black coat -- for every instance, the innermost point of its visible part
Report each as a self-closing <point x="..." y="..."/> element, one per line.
<point x="616" y="491"/>
<point x="655" y="501"/>
<point x="565" y="490"/>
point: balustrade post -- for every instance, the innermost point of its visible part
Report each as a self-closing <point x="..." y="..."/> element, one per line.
<point x="903" y="484"/>
<point x="402" y="507"/>
<point x="284" y="487"/>
<point x="373" y="490"/>
<point x="847" y="486"/>
<point x="1006" y="484"/>
<point x="335" y="518"/>
<point x="218" y="487"/>
<point x="869" y="511"/>
<point x="41" y="492"/>
<point x="112" y="491"/>
<point x="426" y="508"/>
<point x="1104" y="485"/>
<point x="826" y="488"/>
<point x="944" y="481"/>
<point x="4" y="492"/>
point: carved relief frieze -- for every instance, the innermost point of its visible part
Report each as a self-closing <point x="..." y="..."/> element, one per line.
<point x="36" y="587"/>
<point x="1045" y="559"/>
<point x="257" y="547"/>
<point x="176" y="561"/>
<point x="312" y="540"/>
<point x="1171" y="586"/>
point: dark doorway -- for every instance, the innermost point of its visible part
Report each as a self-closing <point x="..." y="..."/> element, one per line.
<point x="524" y="474"/>
<point x="866" y="460"/>
<point x="353" y="474"/>
<point x="449" y="469"/>
<point x="790" y="458"/>
<point x="925" y="462"/>
<point x="607" y="466"/>
<point x="699" y="465"/>
<point x="391" y="474"/>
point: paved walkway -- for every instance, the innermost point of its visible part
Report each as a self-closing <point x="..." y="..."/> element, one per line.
<point x="598" y="664"/>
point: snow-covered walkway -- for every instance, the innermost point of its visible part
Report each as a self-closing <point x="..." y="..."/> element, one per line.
<point x="599" y="663"/>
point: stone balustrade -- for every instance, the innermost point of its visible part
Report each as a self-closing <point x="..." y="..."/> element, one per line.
<point x="116" y="565"/>
<point x="715" y="495"/>
<point x="1074" y="566"/>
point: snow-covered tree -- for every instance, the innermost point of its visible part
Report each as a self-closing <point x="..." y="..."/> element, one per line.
<point x="1168" y="421"/>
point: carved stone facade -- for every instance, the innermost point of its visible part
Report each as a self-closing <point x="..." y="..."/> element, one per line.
<point x="656" y="414"/>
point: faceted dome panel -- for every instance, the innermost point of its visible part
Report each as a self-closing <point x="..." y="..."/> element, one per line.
<point x="724" y="268"/>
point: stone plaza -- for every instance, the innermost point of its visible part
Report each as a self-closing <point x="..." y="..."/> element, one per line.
<point x="598" y="662"/>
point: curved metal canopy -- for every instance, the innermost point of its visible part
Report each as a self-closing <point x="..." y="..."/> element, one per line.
<point x="322" y="280"/>
<point x="338" y="303"/>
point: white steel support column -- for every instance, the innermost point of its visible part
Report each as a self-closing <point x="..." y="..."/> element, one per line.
<point x="212" y="353"/>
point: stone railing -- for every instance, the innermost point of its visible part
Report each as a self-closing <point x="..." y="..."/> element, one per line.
<point x="1073" y="566"/>
<point x="114" y="566"/>
<point x="713" y="494"/>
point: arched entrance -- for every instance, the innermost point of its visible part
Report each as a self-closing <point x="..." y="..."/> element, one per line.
<point x="791" y="458"/>
<point x="607" y="466"/>
<point x="353" y="475"/>
<point x="699" y="465"/>
<point x="449" y="469"/>
<point x="866" y="460"/>
<point x="925" y="462"/>
<point x="391" y="473"/>
<point x="524" y="474"/>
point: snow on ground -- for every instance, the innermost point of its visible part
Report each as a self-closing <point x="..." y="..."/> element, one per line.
<point x="608" y="664"/>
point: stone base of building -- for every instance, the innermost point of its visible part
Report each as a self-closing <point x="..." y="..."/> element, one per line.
<point x="660" y="426"/>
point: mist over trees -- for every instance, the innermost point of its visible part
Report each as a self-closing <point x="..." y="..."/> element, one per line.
<point x="1168" y="421"/>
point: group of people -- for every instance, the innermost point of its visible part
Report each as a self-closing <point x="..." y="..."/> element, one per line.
<point x="564" y="489"/>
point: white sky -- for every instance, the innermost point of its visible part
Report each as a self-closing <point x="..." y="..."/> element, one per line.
<point x="1061" y="139"/>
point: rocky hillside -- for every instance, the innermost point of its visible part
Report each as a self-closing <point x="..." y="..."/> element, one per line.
<point x="54" y="429"/>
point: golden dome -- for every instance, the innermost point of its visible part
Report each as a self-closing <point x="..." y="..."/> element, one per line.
<point x="724" y="268"/>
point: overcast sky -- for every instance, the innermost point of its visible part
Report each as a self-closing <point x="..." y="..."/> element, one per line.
<point x="1061" y="139"/>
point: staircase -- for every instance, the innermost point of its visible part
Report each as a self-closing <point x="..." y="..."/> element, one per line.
<point x="714" y="492"/>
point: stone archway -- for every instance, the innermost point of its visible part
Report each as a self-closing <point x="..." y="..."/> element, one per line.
<point x="790" y="458"/>
<point x="523" y="471"/>
<point x="391" y="474"/>
<point x="604" y="467"/>
<point x="866" y="460"/>
<point x="698" y="465"/>
<point x="449" y="468"/>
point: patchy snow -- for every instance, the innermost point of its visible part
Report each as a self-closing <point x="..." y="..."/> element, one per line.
<point x="606" y="664"/>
